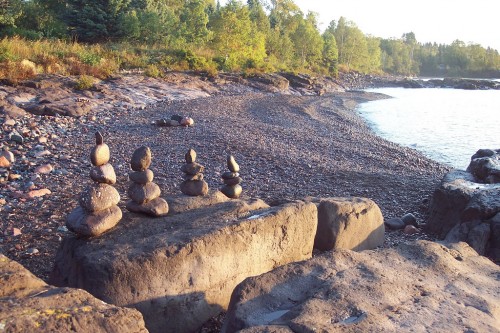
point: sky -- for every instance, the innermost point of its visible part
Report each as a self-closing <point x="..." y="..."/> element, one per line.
<point x="440" y="21"/>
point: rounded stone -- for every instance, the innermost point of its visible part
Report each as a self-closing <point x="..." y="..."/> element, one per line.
<point x="99" y="197"/>
<point x="103" y="174"/>
<point x="99" y="155"/>
<point x="93" y="224"/>
<point x="190" y="156"/>
<point x="143" y="193"/>
<point x="192" y="168"/>
<point x="409" y="219"/>
<point x="9" y="156"/>
<point x="198" y="176"/>
<point x="395" y="223"/>
<point x="233" y="181"/>
<point x="141" y="177"/>
<point x="155" y="207"/>
<point x="141" y="159"/>
<point x="194" y="187"/>
<point x="232" y="192"/>
<point x="232" y="165"/>
<point x="230" y="175"/>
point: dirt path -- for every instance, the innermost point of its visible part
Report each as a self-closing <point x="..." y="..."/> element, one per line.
<point x="288" y="147"/>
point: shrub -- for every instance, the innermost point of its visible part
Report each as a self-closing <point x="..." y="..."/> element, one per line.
<point x="153" y="71"/>
<point x="84" y="82"/>
<point x="12" y="72"/>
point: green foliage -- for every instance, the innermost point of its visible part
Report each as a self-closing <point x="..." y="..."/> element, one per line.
<point x="330" y="51"/>
<point x="153" y="71"/>
<point x="84" y="82"/>
<point x="10" y="10"/>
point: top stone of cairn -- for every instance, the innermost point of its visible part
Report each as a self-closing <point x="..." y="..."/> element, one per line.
<point x="190" y="156"/>
<point x="232" y="165"/>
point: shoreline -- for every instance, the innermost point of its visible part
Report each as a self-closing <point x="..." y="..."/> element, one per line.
<point x="289" y="147"/>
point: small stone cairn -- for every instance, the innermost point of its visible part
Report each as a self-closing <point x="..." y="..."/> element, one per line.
<point x="193" y="183"/>
<point x="144" y="194"/>
<point x="232" y="180"/>
<point x="97" y="211"/>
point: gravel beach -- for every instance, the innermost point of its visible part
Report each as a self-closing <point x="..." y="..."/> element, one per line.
<point x="289" y="147"/>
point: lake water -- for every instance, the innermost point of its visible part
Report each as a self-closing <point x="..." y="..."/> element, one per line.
<point x="446" y="125"/>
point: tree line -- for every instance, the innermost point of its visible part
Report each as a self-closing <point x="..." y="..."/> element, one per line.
<point x="261" y="35"/>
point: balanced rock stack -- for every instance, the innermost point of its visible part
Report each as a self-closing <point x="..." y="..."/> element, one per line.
<point x="144" y="194"/>
<point x="232" y="180"/>
<point x="97" y="211"/>
<point x="193" y="183"/>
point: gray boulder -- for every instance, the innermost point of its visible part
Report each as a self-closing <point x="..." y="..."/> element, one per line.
<point x="349" y="223"/>
<point x="180" y="270"/>
<point x="27" y="304"/>
<point x="422" y="286"/>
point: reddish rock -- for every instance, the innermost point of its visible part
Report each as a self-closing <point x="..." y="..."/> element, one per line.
<point x="38" y="193"/>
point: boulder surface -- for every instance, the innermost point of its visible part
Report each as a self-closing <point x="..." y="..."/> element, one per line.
<point x="421" y="286"/>
<point x="180" y="270"/>
<point x="27" y="304"/>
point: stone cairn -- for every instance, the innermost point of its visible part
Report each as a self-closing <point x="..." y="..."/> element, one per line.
<point x="97" y="211"/>
<point x="232" y="188"/>
<point x="193" y="183"/>
<point x="144" y="194"/>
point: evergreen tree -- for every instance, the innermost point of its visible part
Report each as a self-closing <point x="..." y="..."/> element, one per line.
<point x="330" y="50"/>
<point x="194" y="20"/>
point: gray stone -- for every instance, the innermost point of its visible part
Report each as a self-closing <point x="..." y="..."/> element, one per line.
<point x="141" y="159"/>
<point x="232" y="192"/>
<point x="349" y="223"/>
<point x="482" y="206"/>
<point x="99" y="155"/>
<point x="421" y="286"/>
<point x="232" y="165"/>
<point x="141" y="177"/>
<point x="103" y="174"/>
<point x="192" y="168"/>
<point x="9" y="156"/>
<point x="194" y="187"/>
<point x="180" y="270"/>
<point x="155" y="207"/>
<point x="98" y="197"/>
<point x="409" y="219"/>
<point x="87" y="224"/>
<point x="198" y="176"/>
<point x="233" y="181"/>
<point x="190" y="156"/>
<point x="230" y="175"/>
<point x="478" y="238"/>
<point x="27" y="304"/>
<point x="395" y="223"/>
<point x="143" y="193"/>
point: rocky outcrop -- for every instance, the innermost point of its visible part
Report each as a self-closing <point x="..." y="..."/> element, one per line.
<point x="425" y="286"/>
<point x="349" y="223"/>
<point x="180" y="270"/>
<point x="453" y="83"/>
<point x="27" y="304"/>
<point x="465" y="204"/>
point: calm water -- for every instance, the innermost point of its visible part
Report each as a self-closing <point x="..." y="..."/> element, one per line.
<point x="447" y="125"/>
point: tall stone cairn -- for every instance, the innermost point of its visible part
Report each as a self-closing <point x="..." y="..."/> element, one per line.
<point x="97" y="211"/>
<point x="232" y="188"/>
<point x="193" y="183"/>
<point x="144" y="194"/>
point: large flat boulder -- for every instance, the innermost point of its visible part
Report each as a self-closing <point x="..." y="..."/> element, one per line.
<point x="180" y="270"/>
<point x="27" y="304"/>
<point x="421" y="286"/>
<point x="349" y="223"/>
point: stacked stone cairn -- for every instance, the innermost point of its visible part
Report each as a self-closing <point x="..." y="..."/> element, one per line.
<point x="232" y="188"/>
<point x="97" y="211"/>
<point x="193" y="183"/>
<point x="144" y="194"/>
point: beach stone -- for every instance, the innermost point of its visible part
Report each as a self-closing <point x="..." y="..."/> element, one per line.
<point x="4" y="162"/>
<point x="232" y="165"/>
<point x="349" y="223"/>
<point x="415" y="285"/>
<point x="103" y="174"/>
<point x="233" y="181"/>
<point x="143" y="193"/>
<point x="87" y="224"/>
<point x="194" y="187"/>
<point x="190" y="156"/>
<point x="16" y="137"/>
<point x="409" y="219"/>
<point x="232" y="192"/>
<point x="230" y="175"/>
<point x="410" y="229"/>
<point x="9" y="156"/>
<point x="395" y="223"/>
<point x="176" y="117"/>
<point x="99" y="155"/>
<point x="155" y="207"/>
<point x="99" y="197"/>
<point x="198" y="176"/>
<point x="141" y="177"/>
<point x="38" y="193"/>
<point x="187" y="121"/>
<point x="141" y="159"/>
<point x="180" y="270"/>
<point x="44" y="169"/>
<point x="28" y="304"/>
<point x="12" y="110"/>
<point x="485" y="166"/>
<point x="192" y="168"/>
